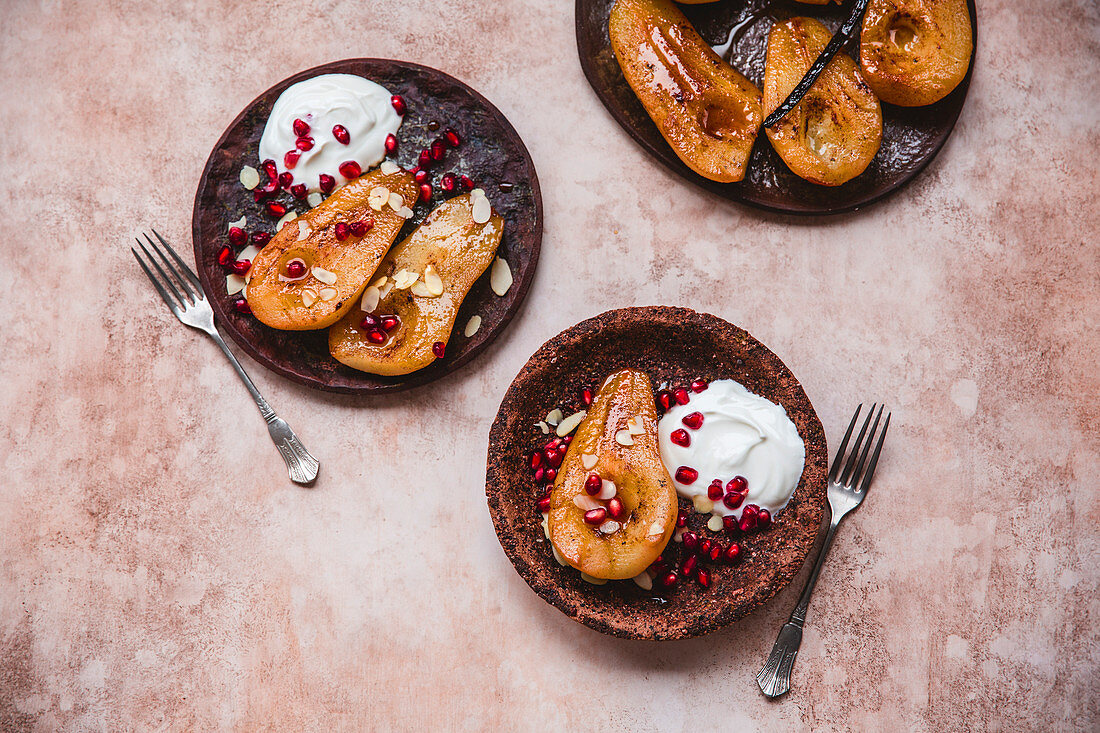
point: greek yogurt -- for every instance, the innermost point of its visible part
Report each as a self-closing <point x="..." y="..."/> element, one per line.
<point x="742" y="434"/>
<point x="361" y="107"/>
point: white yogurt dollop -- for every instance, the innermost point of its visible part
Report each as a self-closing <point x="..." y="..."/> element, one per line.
<point x="361" y="106"/>
<point x="742" y="434"/>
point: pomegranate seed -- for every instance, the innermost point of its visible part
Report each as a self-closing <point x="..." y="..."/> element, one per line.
<point x="241" y="267"/>
<point x="421" y="176"/>
<point x="658" y="565"/>
<point x="593" y="484"/>
<point x="716" y="551"/>
<point x="586" y="396"/>
<point x="270" y="169"/>
<point x="664" y="399"/>
<point x="391" y="143"/>
<point x="681" y="519"/>
<point x="390" y="322"/>
<point x="714" y="491"/>
<point x="551" y="474"/>
<point x="237" y="236"/>
<point x="413" y="171"/>
<point x="669" y="580"/>
<point x="304" y="143"/>
<point x="729" y="523"/>
<point x="350" y="169"/>
<point x="297" y="269"/>
<point x="425" y="159"/>
<point x="751" y="510"/>
<point x="452" y="138"/>
<point x="690" y="540"/>
<point x="299" y="191"/>
<point x="425" y="191"/>
<point x="301" y="128"/>
<point x="536" y="460"/>
<point x="764" y="519"/>
<point x="567" y="439"/>
<point x="737" y="484"/>
<point x="704" y="548"/>
<point x="616" y="508"/>
<point x="552" y="445"/>
<point x="376" y="336"/>
<point x="225" y="256"/>
<point x="341" y="134"/>
<point x="733" y="552"/>
<point x="439" y="349"/>
<point x="360" y="228"/>
<point x="341" y="231"/>
<point x="732" y="499"/>
<point x="686" y="475"/>
<point x="681" y="395"/>
<point x="438" y="149"/>
<point x="290" y="159"/>
<point x="243" y="307"/>
<point x="466" y="182"/>
<point x="369" y="322"/>
<point x="540" y="472"/>
<point x="687" y="567"/>
<point x="699" y="385"/>
<point x="447" y="182"/>
<point x="544" y="504"/>
<point x="748" y="522"/>
<point x="275" y="210"/>
<point x="261" y="238"/>
<point x="398" y="103"/>
<point x="595" y="516"/>
<point x="326" y="182"/>
<point x="680" y="437"/>
<point x="554" y="457"/>
<point x="703" y="577"/>
<point x="285" y="179"/>
<point x="694" y="420"/>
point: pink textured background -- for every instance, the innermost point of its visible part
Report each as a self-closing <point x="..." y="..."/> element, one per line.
<point x="158" y="571"/>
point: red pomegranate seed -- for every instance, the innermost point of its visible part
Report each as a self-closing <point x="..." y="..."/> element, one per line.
<point x="241" y="267"/>
<point x="270" y="169"/>
<point x="421" y="176"/>
<point x="687" y="567"/>
<point x="681" y="519"/>
<point x="390" y="322"/>
<point x="714" y="491"/>
<point x="664" y="399"/>
<point x="243" y="307"/>
<point x="368" y="322"/>
<point x="268" y="188"/>
<point x="290" y="159"/>
<point x="595" y="516"/>
<point x="304" y="143"/>
<point x="398" y="103"/>
<point x="733" y="553"/>
<point x="299" y="191"/>
<point x="447" y="182"/>
<point x="350" y="169"/>
<point x="729" y="523"/>
<point x="466" y="182"/>
<point x="751" y="510"/>
<point x="669" y="580"/>
<point x="438" y="150"/>
<point x="554" y="457"/>
<point x="681" y="395"/>
<point x="680" y="437"/>
<point x="552" y="445"/>
<point x="360" y="228"/>
<point x="658" y="566"/>
<point x="616" y="508"/>
<point x="391" y="143"/>
<point x="440" y="349"/>
<point x="567" y="439"/>
<point x="297" y="269"/>
<point x="341" y="134"/>
<point x="536" y="460"/>
<point x="764" y="519"/>
<point x="694" y="420"/>
<point x="540" y="472"/>
<point x="301" y="128"/>
<point x="699" y="385"/>
<point x="703" y="576"/>
<point x="425" y="159"/>
<point x="237" y="236"/>
<point x="690" y="540"/>
<point x="704" y="547"/>
<point x="261" y="238"/>
<point x="376" y="336"/>
<point x="452" y="138"/>
<point x="732" y="499"/>
<point x="593" y="484"/>
<point x="326" y="182"/>
<point x="425" y="191"/>
<point x="285" y="179"/>
<point x="715" y="552"/>
<point x="686" y="475"/>
<point x="275" y="210"/>
<point x="544" y="504"/>
<point x="748" y="522"/>
<point x="738" y="485"/>
<point x="225" y="256"/>
<point x="551" y="474"/>
<point x="341" y="231"/>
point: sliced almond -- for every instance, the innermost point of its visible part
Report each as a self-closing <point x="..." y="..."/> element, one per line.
<point x="703" y="505"/>
<point x="239" y="224"/>
<point x="635" y="426"/>
<point x="656" y="530"/>
<point x="308" y="297"/>
<point x="371" y="296"/>
<point x="610" y="526"/>
<point x="594" y="581"/>
<point x="678" y="535"/>
<point x="379" y="282"/>
<point x="433" y="281"/>
<point x="623" y="437"/>
<point x="714" y="524"/>
<point x="249" y="253"/>
<point x="250" y="177"/>
<point x="314" y="200"/>
<point x="234" y="284"/>
<point x="481" y="209"/>
<point x="608" y="489"/>
<point x="403" y="279"/>
<point x="386" y="288"/>
<point x="557" y="556"/>
<point x="643" y="581"/>
<point x="585" y="502"/>
<point x="303" y="231"/>
<point x="395" y="201"/>
<point x="554" y="417"/>
<point x="287" y="218"/>
<point x="543" y="427"/>
<point x="472" y="326"/>
<point x="328" y="294"/>
<point x="546" y="524"/>
<point x="378" y="197"/>
<point x="405" y="212"/>
<point x="420" y="290"/>
<point x="589" y="461"/>
<point x="500" y="277"/>
<point x="569" y="424"/>
<point x="328" y="278"/>
<point x="388" y="168"/>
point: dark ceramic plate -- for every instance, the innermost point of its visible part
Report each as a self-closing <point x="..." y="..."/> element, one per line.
<point x="673" y="345"/>
<point x="911" y="136"/>
<point x="491" y="153"/>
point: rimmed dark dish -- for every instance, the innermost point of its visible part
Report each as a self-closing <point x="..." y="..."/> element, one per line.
<point x="674" y="345"/>
<point x="911" y="136"/>
<point x="491" y="153"/>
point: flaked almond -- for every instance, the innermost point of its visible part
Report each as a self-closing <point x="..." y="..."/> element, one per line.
<point x="610" y="527"/>
<point x="405" y="212"/>
<point x="370" y="299"/>
<point x="234" y="284"/>
<point x="569" y="424"/>
<point x="250" y="177"/>
<point x="241" y="223"/>
<point x="635" y="426"/>
<point x="655" y="530"/>
<point x="395" y="201"/>
<point x="433" y="281"/>
<point x="643" y="581"/>
<point x="303" y="230"/>
<point x="541" y="425"/>
<point x="403" y="279"/>
<point x="586" y="503"/>
<point x="500" y="277"/>
<point x="386" y="288"/>
<point x="287" y="218"/>
<point x="472" y="326"/>
<point x="589" y="461"/>
<point x="388" y="168"/>
<point x="481" y="209"/>
<point x="623" y="437"/>
<point x="249" y="253"/>
<point x="420" y="290"/>
<point x="594" y="581"/>
<point x="328" y="278"/>
<point x="378" y="197"/>
<point x="380" y="281"/>
<point x="703" y="505"/>
<point x="546" y="524"/>
<point x="308" y="297"/>
<point x="554" y="417"/>
<point x="328" y="294"/>
<point x="314" y="200"/>
<point x="557" y="556"/>
<point x="678" y="535"/>
<point x="608" y="489"/>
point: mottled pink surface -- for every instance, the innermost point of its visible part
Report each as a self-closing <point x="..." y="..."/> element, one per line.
<point x="158" y="571"/>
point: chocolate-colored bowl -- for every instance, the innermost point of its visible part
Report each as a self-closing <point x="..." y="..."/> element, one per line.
<point x="673" y="345"/>
<point x="911" y="136"/>
<point x="491" y="153"/>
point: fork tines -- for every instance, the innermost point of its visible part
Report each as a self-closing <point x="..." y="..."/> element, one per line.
<point x="856" y="473"/>
<point x="178" y="289"/>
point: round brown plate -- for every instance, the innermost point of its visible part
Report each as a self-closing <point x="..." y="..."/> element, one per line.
<point x="911" y="136"/>
<point x="673" y="345"/>
<point x="491" y="153"/>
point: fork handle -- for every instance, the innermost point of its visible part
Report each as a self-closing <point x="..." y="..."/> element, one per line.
<point x="775" y="676"/>
<point x="301" y="466"/>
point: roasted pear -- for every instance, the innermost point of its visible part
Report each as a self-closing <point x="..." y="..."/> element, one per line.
<point x="914" y="52"/>
<point x="618" y="532"/>
<point x="336" y="269"/>
<point x="424" y="280"/>
<point x="707" y="111"/>
<point x="835" y="131"/>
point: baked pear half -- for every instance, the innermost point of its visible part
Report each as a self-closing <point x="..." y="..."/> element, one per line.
<point x="366" y="214"/>
<point x="406" y="314"/>
<point x="832" y="135"/>
<point x="915" y="52"/>
<point x="618" y="531"/>
<point x="706" y="110"/>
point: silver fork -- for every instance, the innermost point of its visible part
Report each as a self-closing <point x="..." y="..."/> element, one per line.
<point x="848" y="483"/>
<point x="182" y="292"/>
